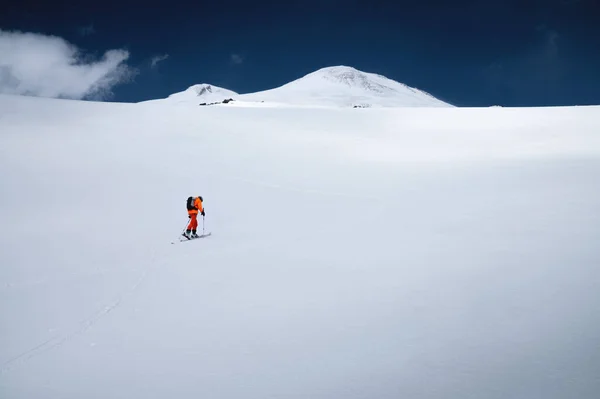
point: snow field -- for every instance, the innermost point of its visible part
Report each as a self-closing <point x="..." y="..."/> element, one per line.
<point x="426" y="253"/>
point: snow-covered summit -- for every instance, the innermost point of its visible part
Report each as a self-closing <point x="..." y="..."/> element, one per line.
<point x="346" y="86"/>
<point x="202" y="93"/>
<point x="352" y="78"/>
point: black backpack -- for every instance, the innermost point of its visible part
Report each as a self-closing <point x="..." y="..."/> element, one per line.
<point x="190" y="204"/>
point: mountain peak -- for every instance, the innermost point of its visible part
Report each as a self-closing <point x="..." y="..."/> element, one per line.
<point x="202" y="92"/>
<point x="353" y="78"/>
<point x="205" y="89"/>
<point x="346" y="86"/>
<point x="339" y="69"/>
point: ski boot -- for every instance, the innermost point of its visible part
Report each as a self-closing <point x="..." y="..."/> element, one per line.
<point x="194" y="235"/>
<point x="187" y="234"/>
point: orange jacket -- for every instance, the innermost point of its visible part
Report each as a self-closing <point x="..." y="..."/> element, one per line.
<point x="197" y="205"/>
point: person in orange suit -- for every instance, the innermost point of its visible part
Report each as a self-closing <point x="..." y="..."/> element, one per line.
<point x="193" y="211"/>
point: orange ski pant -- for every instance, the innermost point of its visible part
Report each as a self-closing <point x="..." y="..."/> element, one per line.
<point x="193" y="222"/>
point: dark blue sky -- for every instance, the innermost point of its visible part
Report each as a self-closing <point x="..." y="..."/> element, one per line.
<point x="469" y="53"/>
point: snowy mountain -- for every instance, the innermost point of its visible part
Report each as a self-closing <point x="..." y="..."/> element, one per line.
<point x="344" y="86"/>
<point x="339" y="86"/>
<point x="200" y="93"/>
<point x="426" y="253"/>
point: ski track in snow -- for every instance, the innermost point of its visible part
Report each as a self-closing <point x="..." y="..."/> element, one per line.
<point x="85" y="325"/>
<point x="54" y="279"/>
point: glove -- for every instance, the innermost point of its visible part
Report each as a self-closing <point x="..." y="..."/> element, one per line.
<point x="203" y="213"/>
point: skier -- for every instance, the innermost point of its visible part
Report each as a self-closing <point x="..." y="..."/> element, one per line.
<point x="194" y="206"/>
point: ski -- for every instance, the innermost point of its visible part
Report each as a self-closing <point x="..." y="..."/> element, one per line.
<point x="185" y="239"/>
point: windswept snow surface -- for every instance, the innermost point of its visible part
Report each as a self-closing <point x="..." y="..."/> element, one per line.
<point x="386" y="253"/>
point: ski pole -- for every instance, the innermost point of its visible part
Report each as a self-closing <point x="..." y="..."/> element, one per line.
<point x="202" y="224"/>
<point x="186" y="225"/>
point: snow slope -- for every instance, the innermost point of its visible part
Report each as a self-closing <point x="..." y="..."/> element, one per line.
<point x="339" y="86"/>
<point x="387" y="253"/>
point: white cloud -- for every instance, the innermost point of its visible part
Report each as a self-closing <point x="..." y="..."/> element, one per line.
<point x="49" y="66"/>
<point x="236" y="59"/>
<point x="158" y="58"/>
